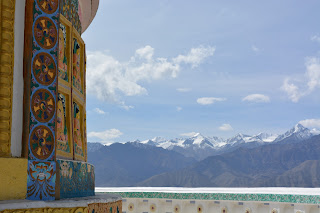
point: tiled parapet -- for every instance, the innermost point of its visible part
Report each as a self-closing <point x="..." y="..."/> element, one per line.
<point x="224" y="200"/>
<point x="283" y="195"/>
<point x="75" y="179"/>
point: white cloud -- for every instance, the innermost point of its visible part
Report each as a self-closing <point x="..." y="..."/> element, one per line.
<point x="209" y="100"/>
<point x="255" y="49"/>
<point x="315" y="38"/>
<point x="315" y="131"/>
<point x="292" y="90"/>
<point x="196" y="56"/>
<point x="109" y="79"/>
<point x="145" y="52"/>
<point x="188" y="134"/>
<point x="225" y="127"/>
<point x="184" y="89"/>
<point x="179" y="109"/>
<point x="311" y="123"/>
<point x="309" y="83"/>
<point x="258" y="98"/>
<point x="106" y="136"/>
<point x="99" y="111"/>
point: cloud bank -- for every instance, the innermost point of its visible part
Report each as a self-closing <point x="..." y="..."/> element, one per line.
<point x="304" y="87"/>
<point x="107" y="136"/>
<point x="225" y="127"/>
<point x="109" y="79"/>
<point x="209" y="100"/>
<point x="257" y="98"/>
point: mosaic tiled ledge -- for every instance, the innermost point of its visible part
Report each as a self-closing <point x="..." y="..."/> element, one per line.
<point x="283" y="198"/>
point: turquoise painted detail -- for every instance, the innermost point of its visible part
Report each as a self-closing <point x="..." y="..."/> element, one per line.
<point x="282" y="198"/>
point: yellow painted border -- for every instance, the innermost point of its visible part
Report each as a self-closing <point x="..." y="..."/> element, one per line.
<point x="68" y="25"/>
<point x="76" y="35"/>
<point x="60" y="154"/>
<point x="81" y="106"/>
<point x="7" y="15"/>
<point x="46" y="210"/>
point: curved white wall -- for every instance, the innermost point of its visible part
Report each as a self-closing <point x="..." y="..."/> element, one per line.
<point x="17" y="98"/>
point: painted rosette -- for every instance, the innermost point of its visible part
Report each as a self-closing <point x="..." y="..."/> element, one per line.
<point x="45" y="32"/>
<point x="176" y="209"/>
<point x="131" y="207"/>
<point x="43" y="105"/>
<point x="44" y="68"/>
<point x="248" y="210"/>
<point x="153" y="208"/>
<point x="48" y="6"/>
<point x="42" y="142"/>
<point x="224" y="210"/>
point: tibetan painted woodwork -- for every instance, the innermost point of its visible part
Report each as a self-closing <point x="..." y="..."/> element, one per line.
<point x="7" y="12"/>
<point x="76" y="179"/>
<point x="41" y="72"/>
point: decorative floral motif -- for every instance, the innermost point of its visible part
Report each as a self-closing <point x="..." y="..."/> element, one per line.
<point x="41" y="180"/>
<point x="274" y="211"/>
<point x="153" y="208"/>
<point x="200" y="209"/>
<point x="44" y="68"/>
<point x="76" y="179"/>
<point x="224" y="210"/>
<point x="62" y="124"/>
<point x="77" y="133"/>
<point x="131" y="207"/>
<point x="41" y="142"/>
<point x="176" y="209"/>
<point x="282" y="198"/>
<point x="43" y="85"/>
<point x="43" y="105"/>
<point x="76" y="67"/>
<point x="45" y="32"/>
<point x="111" y="207"/>
<point x="48" y="6"/>
<point x="71" y="10"/>
<point x="63" y="60"/>
<point x="248" y="210"/>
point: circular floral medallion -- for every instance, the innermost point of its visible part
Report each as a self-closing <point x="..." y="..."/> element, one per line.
<point x="224" y="210"/>
<point x="41" y="142"/>
<point x="248" y="210"/>
<point x="176" y="209"/>
<point x="131" y="207"/>
<point x="45" y="32"/>
<point x="42" y="105"/>
<point x="274" y="211"/>
<point x="48" y="6"/>
<point x="199" y="209"/>
<point x="44" y="68"/>
<point x="152" y="207"/>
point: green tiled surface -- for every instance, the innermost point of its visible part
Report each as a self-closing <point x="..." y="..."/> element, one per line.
<point x="284" y="198"/>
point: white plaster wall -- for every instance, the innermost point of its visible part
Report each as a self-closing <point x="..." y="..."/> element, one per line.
<point x="17" y="99"/>
<point x="142" y="205"/>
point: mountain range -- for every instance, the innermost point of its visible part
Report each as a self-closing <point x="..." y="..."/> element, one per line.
<point x="200" y="147"/>
<point x="271" y="165"/>
<point x="265" y="159"/>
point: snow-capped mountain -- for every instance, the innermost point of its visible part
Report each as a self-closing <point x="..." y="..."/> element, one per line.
<point x="298" y="132"/>
<point x="200" y="147"/>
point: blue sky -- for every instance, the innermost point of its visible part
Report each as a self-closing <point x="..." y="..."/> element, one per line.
<point x="166" y="68"/>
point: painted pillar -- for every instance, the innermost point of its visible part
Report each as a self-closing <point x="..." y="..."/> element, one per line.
<point x="41" y="47"/>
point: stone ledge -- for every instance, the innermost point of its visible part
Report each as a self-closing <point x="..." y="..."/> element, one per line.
<point x="65" y="203"/>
